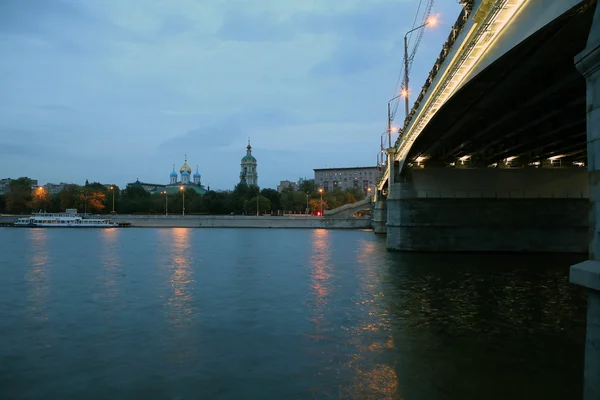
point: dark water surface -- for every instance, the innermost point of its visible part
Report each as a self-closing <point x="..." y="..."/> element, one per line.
<point x="279" y="314"/>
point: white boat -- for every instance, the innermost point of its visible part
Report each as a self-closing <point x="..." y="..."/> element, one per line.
<point x="68" y="219"/>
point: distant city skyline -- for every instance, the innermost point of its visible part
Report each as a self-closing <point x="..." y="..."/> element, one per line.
<point x="110" y="91"/>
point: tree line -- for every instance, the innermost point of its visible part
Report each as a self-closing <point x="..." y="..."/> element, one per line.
<point x="134" y="199"/>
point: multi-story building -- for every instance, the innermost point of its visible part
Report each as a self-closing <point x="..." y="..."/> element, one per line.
<point x="287" y="185"/>
<point x="54" y="188"/>
<point x="346" y="178"/>
<point x="5" y="184"/>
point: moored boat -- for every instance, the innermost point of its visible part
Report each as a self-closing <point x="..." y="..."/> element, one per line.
<point x="68" y="219"/>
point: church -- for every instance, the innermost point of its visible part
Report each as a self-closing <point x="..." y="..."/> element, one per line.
<point x="248" y="173"/>
<point x="186" y="179"/>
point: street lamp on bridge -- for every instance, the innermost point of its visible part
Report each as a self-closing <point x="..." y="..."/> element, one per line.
<point x="432" y="21"/>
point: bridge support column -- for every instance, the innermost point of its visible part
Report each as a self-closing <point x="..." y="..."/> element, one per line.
<point x="379" y="214"/>
<point x="397" y="232"/>
<point x="489" y="210"/>
<point x="587" y="274"/>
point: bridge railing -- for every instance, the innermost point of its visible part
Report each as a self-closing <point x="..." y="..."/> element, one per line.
<point x="450" y="41"/>
<point x="506" y="194"/>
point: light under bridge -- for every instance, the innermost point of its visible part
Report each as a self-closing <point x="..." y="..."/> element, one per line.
<point x="492" y="155"/>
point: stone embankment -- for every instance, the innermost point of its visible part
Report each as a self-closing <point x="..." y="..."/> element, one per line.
<point x="243" y="221"/>
<point x="236" y="221"/>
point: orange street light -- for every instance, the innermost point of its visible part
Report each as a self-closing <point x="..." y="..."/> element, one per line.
<point x="182" y="200"/>
<point x="321" y="193"/>
<point x="166" y="199"/>
<point x="113" y="192"/>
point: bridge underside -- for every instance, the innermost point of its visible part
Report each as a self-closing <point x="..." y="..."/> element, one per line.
<point x="525" y="111"/>
<point x="526" y="107"/>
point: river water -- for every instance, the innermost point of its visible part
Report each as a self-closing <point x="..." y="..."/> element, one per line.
<point x="279" y="314"/>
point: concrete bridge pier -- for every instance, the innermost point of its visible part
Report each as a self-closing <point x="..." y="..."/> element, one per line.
<point x="489" y="210"/>
<point x="587" y="274"/>
<point x="379" y="213"/>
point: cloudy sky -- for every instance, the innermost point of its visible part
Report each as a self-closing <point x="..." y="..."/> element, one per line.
<point x="113" y="90"/>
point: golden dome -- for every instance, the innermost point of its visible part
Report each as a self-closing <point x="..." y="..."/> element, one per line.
<point x="185" y="167"/>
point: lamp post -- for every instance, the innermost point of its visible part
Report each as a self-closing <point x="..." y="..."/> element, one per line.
<point x="41" y="195"/>
<point x="430" y="21"/>
<point x="307" y="208"/>
<point x="257" y="206"/>
<point x="321" y="193"/>
<point x="404" y="93"/>
<point x="166" y="198"/>
<point x="182" y="200"/>
<point x="113" y="192"/>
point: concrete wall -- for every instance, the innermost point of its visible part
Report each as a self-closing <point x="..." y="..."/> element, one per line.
<point x="238" y="221"/>
<point x="488" y="209"/>
<point x="495" y="225"/>
<point x="499" y="182"/>
<point x="235" y="221"/>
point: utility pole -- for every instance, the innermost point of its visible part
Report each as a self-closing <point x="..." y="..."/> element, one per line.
<point x="113" y="193"/>
<point x="406" y="74"/>
<point x="307" y="203"/>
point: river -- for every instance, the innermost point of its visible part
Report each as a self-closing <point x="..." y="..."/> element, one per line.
<point x="280" y="314"/>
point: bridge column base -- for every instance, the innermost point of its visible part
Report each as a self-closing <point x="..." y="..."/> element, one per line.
<point x="486" y="224"/>
<point x="379" y="216"/>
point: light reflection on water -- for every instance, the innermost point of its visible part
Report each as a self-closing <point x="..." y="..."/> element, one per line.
<point x="37" y="275"/>
<point x="228" y="314"/>
<point x="109" y="239"/>
<point x="320" y="272"/>
<point x="180" y="303"/>
<point x="371" y="336"/>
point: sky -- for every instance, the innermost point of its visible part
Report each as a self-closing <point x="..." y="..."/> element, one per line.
<point x="113" y="91"/>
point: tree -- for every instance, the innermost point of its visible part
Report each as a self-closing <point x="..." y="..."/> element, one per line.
<point x="2" y="203"/>
<point x="264" y="205"/>
<point x="308" y="186"/>
<point x="95" y="201"/>
<point x="337" y="197"/>
<point x="18" y="199"/>
<point x="273" y="196"/>
<point x="217" y="203"/>
<point x="293" y="201"/>
<point x="42" y="199"/>
<point x="315" y="205"/>
<point x="68" y="197"/>
<point x="357" y="193"/>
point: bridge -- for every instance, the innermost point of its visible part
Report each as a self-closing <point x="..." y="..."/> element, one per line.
<point x="493" y="154"/>
<point x="501" y="150"/>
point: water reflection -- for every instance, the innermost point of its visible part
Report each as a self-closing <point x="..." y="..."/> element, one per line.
<point x="371" y="337"/>
<point x="461" y="318"/>
<point x="320" y="274"/>
<point x="37" y="275"/>
<point x="180" y="303"/>
<point x="110" y="260"/>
